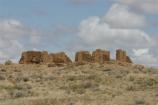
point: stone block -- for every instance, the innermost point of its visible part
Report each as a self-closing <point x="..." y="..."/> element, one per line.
<point x="83" y="57"/>
<point x="60" y="57"/>
<point x="34" y="57"/>
<point x="101" y="56"/>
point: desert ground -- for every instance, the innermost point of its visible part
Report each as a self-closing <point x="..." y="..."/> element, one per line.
<point x="89" y="84"/>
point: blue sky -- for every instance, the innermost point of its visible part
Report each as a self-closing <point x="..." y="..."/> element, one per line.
<point x="47" y="13"/>
<point x="73" y="25"/>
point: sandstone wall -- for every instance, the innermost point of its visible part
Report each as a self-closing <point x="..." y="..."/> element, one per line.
<point x="98" y="56"/>
<point x="128" y="59"/>
<point x="34" y="57"/>
<point x="122" y="56"/>
<point x="60" y="58"/>
<point x="101" y="56"/>
<point x="83" y="57"/>
<point x="37" y="57"/>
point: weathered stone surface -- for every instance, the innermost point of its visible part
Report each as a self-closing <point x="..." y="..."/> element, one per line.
<point x="83" y="57"/>
<point x="122" y="56"/>
<point x="101" y="56"/>
<point x="60" y="58"/>
<point x="128" y="59"/>
<point x="34" y="57"/>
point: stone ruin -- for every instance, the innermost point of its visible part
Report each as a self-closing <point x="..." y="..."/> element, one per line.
<point x="60" y="58"/>
<point x="81" y="57"/>
<point x="121" y="56"/>
<point x="37" y="57"/>
<point x="34" y="57"/>
<point x="101" y="56"/>
<point x="98" y="56"/>
<point x="128" y="59"/>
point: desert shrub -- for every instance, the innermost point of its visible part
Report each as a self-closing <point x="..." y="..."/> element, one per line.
<point x="139" y="102"/>
<point x="2" y="77"/>
<point x="25" y="79"/>
<point x="51" y="65"/>
<point x="46" y="78"/>
<point x="146" y="83"/>
<point x="3" y="70"/>
<point x="17" y="91"/>
<point x="20" y="93"/>
<point x="71" y="78"/>
<point x="8" y="88"/>
<point x="17" y="94"/>
<point x="130" y="88"/>
<point x="77" y="88"/>
<point x="23" y="86"/>
<point x="131" y="78"/>
<point x="8" y="62"/>
<point x="80" y="87"/>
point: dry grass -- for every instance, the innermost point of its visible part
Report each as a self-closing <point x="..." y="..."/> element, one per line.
<point x="91" y="84"/>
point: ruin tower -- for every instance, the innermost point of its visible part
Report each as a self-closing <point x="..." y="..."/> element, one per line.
<point x="34" y="57"/>
<point x="121" y="56"/>
<point x="101" y="56"/>
<point x="60" y="57"/>
<point x="83" y="57"/>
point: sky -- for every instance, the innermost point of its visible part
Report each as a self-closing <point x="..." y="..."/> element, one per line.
<point x="74" y="25"/>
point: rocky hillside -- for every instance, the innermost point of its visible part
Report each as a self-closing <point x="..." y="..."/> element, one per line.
<point x="90" y="84"/>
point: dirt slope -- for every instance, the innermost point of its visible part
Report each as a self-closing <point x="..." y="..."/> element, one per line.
<point x="91" y="84"/>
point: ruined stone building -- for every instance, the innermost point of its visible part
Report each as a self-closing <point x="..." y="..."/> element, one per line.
<point x="60" y="58"/>
<point x="97" y="56"/>
<point x="122" y="56"/>
<point x="83" y="57"/>
<point x="101" y="56"/>
<point x="37" y="57"/>
<point x="34" y="57"/>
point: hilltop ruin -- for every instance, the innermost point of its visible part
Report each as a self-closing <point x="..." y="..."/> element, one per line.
<point x="34" y="57"/>
<point x="81" y="57"/>
<point x="101" y="56"/>
<point x="37" y="57"/>
<point x="122" y="56"/>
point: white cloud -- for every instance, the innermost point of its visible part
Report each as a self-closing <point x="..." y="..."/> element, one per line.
<point x="143" y="56"/>
<point x="119" y="16"/>
<point x="139" y="52"/>
<point x="119" y="28"/>
<point x="12" y="34"/>
<point x="94" y="32"/>
<point x="146" y="6"/>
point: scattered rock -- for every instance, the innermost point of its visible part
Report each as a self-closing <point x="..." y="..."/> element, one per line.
<point x="51" y="65"/>
<point x="3" y="70"/>
<point x="2" y="77"/>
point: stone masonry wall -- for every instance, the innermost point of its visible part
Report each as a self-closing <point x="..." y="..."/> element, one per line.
<point x="83" y="57"/>
<point x="128" y="59"/>
<point x="60" y="58"/>
<point x="122" y="56"/>
<point x="97" y="56"/>
<point x="101" y="56"/>
<point x="34" y="57"/>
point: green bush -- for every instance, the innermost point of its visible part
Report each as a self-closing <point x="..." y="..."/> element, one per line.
<point x="8" y="62"/>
